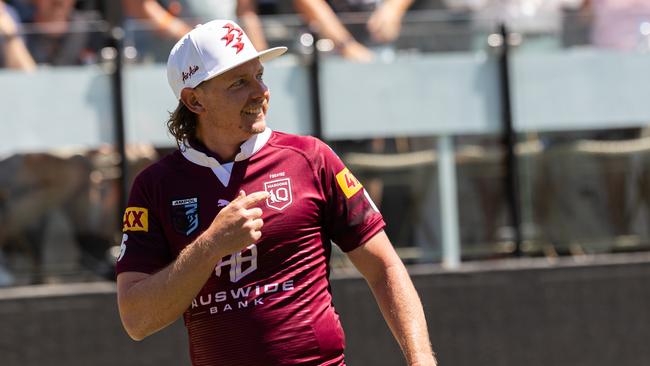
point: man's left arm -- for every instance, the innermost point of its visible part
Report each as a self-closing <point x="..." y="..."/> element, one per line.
<point x="396" y="296"/>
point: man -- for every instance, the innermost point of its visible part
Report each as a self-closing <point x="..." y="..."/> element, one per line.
<point x="619" y="25"/>
<point x="383" y="26"/>
<point x="178" y="18"/>
<point x="249" y="272"/>
<point x="13" y="52"/>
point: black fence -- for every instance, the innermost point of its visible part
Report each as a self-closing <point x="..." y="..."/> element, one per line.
<point x="507" y="313"/>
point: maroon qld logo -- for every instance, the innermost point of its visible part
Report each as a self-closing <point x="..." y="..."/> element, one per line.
<point x="280" y="193"/>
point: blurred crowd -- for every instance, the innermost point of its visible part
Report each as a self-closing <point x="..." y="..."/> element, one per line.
<point x="73" y="32"/>
<point x="42" y="191"/>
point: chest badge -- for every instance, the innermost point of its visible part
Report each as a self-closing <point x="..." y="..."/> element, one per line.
<point x="280" y="193"/>
<point x="185" y="215"/>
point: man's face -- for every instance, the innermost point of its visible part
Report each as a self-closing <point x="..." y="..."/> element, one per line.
<point x="235" y="102"/>
<point x="56" y="9"/>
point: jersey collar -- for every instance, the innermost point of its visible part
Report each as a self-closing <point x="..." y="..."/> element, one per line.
<point x="246" y="150"/>
<point x="253" y="145"/>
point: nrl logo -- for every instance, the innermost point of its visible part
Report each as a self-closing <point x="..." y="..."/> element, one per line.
<point x="280" y="193"/>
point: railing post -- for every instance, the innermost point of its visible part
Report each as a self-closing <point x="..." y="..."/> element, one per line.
<point x="448" y="202"/>
<point x="117" y="92"/>
<point x="314" y="86"/>
<point x="509" y="139"/>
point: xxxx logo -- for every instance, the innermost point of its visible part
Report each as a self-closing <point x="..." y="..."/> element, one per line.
<point x="135" y="219"/>
<point x="233" y="34"/>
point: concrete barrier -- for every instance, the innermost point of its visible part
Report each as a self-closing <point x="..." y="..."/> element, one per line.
<point x="508" y="312"/>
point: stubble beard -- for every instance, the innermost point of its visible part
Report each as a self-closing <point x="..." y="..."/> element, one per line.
<point x="256" y="127"/>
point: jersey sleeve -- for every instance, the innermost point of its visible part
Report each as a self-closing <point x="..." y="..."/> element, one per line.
<point x="351" y="216"/>
<point x="144" y="247"/>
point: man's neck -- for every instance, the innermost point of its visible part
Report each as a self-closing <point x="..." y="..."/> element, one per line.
<point x="225" y="152"/>
<point x="224" y="149"/>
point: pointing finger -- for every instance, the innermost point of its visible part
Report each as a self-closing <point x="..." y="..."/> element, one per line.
<point x="253" y="198"/>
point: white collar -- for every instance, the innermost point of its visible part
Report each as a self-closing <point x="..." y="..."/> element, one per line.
<point x="253" y="145"/>
<point x="246" y="150"/>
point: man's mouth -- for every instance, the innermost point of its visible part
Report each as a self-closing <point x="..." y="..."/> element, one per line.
<point x="253" y="110"/>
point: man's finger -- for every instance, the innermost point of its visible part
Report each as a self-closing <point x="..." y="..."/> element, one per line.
<point x="254" y="197"/>
<point x="256" y="224"/>
<point x="254" y="213"/>
<point x="240" y="196"/>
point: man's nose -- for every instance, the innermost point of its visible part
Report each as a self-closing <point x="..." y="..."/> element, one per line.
<point x="261" y="90"/>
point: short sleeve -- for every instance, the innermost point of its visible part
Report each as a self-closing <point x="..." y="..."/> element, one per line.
<point x="144" y="247"/>
<point x="351" y="216"/>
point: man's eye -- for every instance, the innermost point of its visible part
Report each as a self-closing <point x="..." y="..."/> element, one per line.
<point x="237" y="83"/>
<point x="260" y="76"/>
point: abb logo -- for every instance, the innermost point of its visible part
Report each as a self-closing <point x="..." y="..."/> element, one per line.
<point x="233" y="33"/>
<point x="237" y="261"/>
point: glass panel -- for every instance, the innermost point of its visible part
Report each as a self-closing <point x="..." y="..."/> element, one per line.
<point x="583" y="104"/>
<point x="578" y="84"/>
<point x="58" y="170"/>
<point x="383" y="118"/>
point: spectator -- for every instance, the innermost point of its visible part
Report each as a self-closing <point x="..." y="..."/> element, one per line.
<point x="619" y="24"/>
<point x="180" y="16"/>
<point x="201" y="11"/>
<point x="160" y="18"/>
<point x="13" y="52"/>
<point x="383" y="25"/>
<point x="539" y="22"/>
<point x="60" y="34"/>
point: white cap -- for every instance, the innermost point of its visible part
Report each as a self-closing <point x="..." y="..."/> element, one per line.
<point x="209" y="50"/>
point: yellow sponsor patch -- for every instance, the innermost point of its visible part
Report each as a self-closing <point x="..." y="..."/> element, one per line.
<point x="136" y="219"/>
<point x="348" y="183"/>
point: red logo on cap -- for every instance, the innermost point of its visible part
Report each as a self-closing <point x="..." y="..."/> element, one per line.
<point x="230" y="36"/>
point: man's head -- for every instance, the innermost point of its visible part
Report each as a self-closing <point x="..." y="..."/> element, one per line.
<point x="202" y="63"/>
<point x="52" y="10"/>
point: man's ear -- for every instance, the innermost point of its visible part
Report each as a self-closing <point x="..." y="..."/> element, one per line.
<point x="191" y="101"/>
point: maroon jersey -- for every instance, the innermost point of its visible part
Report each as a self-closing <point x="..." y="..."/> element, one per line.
<point x="269" y="304"/>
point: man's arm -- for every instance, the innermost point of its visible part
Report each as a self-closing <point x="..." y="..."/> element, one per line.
<point x="162" y="20"/>
<point x="250" y="21"/>
<point x="385" y="23"/>
<point x="16" y="54"/>
<point x="319" y="15"/>
<point x="396" y="297"/>
<point x="148" y="303"/>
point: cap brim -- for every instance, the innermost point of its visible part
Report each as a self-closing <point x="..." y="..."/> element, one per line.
<point x="264" y="56"/>
<point x="271" y="53"/>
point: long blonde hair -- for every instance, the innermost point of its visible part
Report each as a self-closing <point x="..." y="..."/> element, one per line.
<point x="182" y="124"/>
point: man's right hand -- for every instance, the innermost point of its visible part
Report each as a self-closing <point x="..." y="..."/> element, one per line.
<point x="7" y="25"/>
<point x="237" y="225"/>
<point x="356" y="52"/>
